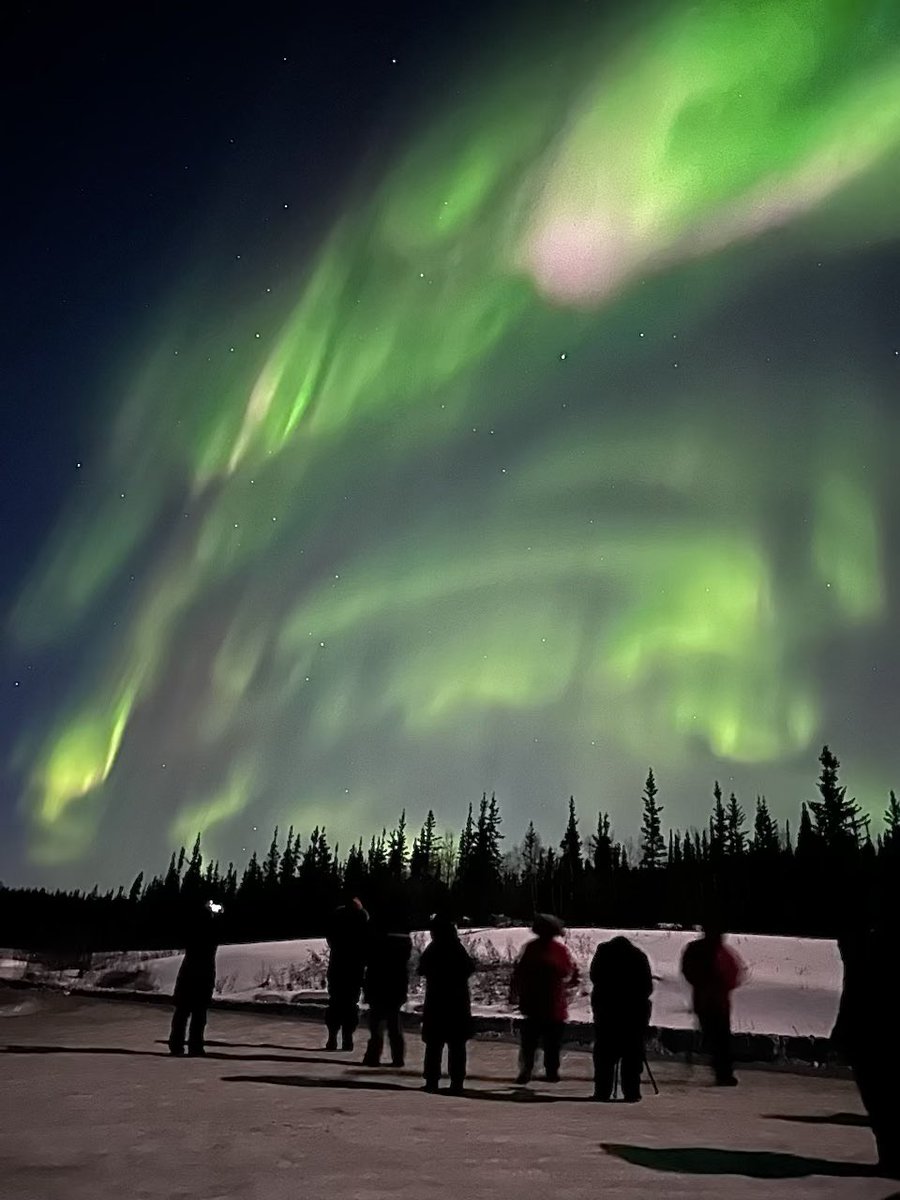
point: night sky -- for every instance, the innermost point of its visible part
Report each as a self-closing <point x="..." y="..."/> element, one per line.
<point x="442" y="399"/>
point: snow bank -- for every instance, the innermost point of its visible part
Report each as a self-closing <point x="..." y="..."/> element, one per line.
<point x="792" y="988"/>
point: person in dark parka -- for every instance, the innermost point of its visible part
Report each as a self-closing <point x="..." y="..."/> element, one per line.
<point x="864" y="1035"/>
<point x="196" y="981"/>
<point x="386" y="987"/>
<point x="620" y="1000"/>
<point x="447" y="1012"/>
<point x="347" y="943"/>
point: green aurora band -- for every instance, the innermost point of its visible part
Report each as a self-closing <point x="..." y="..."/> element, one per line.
<point x="432" y="535"/>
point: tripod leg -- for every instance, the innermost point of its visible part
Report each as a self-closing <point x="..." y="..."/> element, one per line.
<point x="650" y="1076"/>
<point x="615" y="1090"/>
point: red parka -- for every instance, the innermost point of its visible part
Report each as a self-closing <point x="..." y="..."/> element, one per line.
<point x="543" y="973"/>
<point x="713" y="970"/>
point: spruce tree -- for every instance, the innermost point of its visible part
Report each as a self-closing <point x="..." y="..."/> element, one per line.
<point x="355" y="869"/>
<point x="601" y="845"/>
<point x="483" y="866"/>
<point x="415" y="862"/>
<point x="892" y="824"/>
<point x="571" y="864"/>
<point x="428" y="847"/>
<point x="735" y="836"/>
<point x="397" y="851"/>
<point x="718" y="825"/>
<point x="807" y="838"/>
<point x="288" y="866"/>
<point x="309" y="862"/>
<point x="377" y="861"/>
<point x="531" y="863"/>
<point x="653" y="846"/>
<point x="446" y="859"/>
<point x="570" y="846"/>
<point x="251" y="883"/>
<point x="466" y="845"/>
<point x="765" y="831"/>
<point x="272" y="862"/>
<point x="838" y="820"/>
<point x="230" y="885"/>
<point x="323" y="860"/>
<point x="493" y="837"/>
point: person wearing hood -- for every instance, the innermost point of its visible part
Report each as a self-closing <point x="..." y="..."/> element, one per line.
<point x="447" y="1012"/>
<point x="863" y="1033"/>
<point x="386" y="987"/>
<point x="542" y="976"/>
<point x="713" y="971"/>
<point x="196" y="980"/>
<point x="620" y="1000"/>
<point x="346" y="938"/>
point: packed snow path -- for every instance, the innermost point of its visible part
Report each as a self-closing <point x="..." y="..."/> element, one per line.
<point x="92" y="1106"/>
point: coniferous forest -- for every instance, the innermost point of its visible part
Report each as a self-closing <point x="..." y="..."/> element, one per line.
<point x="741" y="868"/>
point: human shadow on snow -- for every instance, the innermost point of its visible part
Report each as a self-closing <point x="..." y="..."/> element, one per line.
<point x="842" y="1118"/>
<point x="755" y="1164"/>
<point x="213" y="1054"/>
<point x="14" y="1049"/>
<point x="339" y="1058"/>
<point x="515" y="1095"/>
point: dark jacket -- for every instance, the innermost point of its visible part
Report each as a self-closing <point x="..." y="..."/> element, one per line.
<point x="196" y="979"/>
<point x="866" y="1009"/>
<point x="623" y="984"/>
<point x="386" y="982"/>
<point x="447" y="1011"/>
<point x="347" y="945"/>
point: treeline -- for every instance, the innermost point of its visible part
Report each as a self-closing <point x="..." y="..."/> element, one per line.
<point x="740" y="868"/>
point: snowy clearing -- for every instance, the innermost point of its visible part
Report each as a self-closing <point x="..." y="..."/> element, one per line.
<point x="792" y="988"/>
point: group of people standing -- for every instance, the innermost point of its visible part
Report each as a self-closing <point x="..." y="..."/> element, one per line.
<point x="371" y="959"/>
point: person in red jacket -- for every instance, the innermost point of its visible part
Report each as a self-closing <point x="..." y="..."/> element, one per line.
<point x="543" y="974"/>
<point x="714" y="971"/>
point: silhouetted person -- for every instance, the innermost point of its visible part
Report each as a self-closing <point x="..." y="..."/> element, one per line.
<point x="542" y="975"/>
<point x="620" y="999"/>
<point x="864" y="1034"/>
<point x="447" y="1012"/>
<point x="347" y="944"/>
<point x="196" y="980"/>
<point x="386" y="987"/>
<point x="714" y="970"/>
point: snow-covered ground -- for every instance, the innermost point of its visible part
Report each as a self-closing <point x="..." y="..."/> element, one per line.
<point x="792" y="988"/>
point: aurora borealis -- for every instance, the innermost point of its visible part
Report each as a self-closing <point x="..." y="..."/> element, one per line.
<point x="570" y="447"/>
